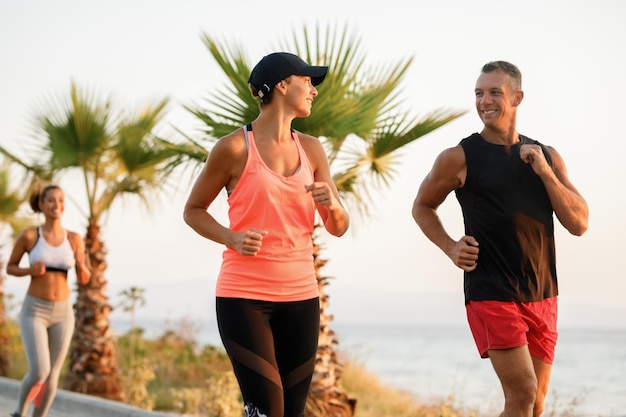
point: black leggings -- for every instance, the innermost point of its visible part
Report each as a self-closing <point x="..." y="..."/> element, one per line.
<point x="272" y="347"/>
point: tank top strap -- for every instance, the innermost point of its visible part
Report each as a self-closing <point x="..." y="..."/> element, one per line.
<point x="247" y="128"/>
<point x="251" y="149"/>
<point x="305" y="164"/>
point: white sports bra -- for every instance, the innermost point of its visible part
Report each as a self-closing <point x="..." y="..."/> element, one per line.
<point x="56" y="258"/>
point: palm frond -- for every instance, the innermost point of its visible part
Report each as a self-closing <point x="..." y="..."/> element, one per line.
<point x="13" y="196"/>
<point x="10" y="199"/>
<point x="358" y="114"/>
<point x="76" y="133"/>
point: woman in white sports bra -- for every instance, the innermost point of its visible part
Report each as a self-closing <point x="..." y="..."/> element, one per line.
<point x="47" y="316"/>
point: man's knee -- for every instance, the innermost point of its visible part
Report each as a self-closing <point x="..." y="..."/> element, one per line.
<point x="528" y="390"/>
<point x="522" y="395"/>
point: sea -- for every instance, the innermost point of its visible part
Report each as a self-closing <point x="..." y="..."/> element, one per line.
<point x="440" y="363"/>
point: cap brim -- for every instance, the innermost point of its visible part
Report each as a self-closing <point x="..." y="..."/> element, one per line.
<point x="316" y="73"/>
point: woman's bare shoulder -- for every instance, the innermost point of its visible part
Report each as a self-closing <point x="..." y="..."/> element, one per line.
<point x="76" y="240"/>
<point x="306" y="138"/>
<point x="27" y="237"/>
<point x="30" y="233"/>
<point x="234" y="142"/>
<point x="311" y="144"/>
<point x="74" y="236"/>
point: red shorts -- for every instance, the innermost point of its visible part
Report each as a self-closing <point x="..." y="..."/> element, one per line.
<point x="509" y="324"/>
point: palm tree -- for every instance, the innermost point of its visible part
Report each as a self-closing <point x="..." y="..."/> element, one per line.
<point x="10" y="202"/>
<point x="357" y="117"/>
<point x="113" y="156"/>
<point x="132" y="299"/>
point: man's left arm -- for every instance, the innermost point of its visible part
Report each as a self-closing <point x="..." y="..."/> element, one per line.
<point x="569" y="205"/>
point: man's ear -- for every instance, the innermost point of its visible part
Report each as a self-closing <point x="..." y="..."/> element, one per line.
<point x="519" y="96"/>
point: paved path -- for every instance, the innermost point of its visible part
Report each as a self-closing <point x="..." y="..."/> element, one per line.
<point x="71" y="404"/>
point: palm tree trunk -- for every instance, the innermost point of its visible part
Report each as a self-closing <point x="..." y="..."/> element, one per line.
<point x="326" y="398"/>
<point x="4" y="336"/>
<point x="92" y="363"/>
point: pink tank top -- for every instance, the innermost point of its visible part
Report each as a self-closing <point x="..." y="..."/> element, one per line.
<point x="283" y="269"/>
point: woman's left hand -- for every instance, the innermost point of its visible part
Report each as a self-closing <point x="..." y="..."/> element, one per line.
<point x="321" y="193"/>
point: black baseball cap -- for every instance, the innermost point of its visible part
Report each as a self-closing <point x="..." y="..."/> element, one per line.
<point x="275" y="67"/>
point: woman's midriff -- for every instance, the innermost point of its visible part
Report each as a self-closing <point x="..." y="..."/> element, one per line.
<point x="50" y="287"/>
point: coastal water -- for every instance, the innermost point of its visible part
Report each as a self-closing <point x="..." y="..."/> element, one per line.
<point x="588" y="376"/>
<point x="441" y="362"/>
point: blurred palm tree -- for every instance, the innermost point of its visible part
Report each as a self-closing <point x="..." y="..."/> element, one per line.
<point x="358" y="118"/>
<point x="109" y="155"/>
<point x="132" y="298"/>
<point x="11" y="221"/>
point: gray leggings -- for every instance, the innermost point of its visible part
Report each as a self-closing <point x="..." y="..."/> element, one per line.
<point x="46" y="328"/>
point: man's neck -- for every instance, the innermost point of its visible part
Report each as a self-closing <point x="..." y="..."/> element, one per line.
<point x="500" y="137"/>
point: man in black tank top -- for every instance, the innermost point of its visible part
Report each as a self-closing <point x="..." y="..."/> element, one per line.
<point x="509" y="187"/>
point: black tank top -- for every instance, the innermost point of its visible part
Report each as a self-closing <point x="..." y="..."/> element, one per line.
<point x="506" y="208"/>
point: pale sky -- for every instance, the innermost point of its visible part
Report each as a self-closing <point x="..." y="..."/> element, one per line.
<point x="572" y="57"/>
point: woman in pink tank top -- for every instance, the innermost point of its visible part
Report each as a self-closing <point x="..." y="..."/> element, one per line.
<point x="266" y="295"/>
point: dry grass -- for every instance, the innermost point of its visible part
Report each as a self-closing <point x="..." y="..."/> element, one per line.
<point x="378" y="400"/>
<point x="183" y="373"/>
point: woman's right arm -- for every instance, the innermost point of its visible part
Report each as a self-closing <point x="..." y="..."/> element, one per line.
<point x="214" y="176"/>
<point x="222" y="169"/>
<point x="22" y="243"/>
